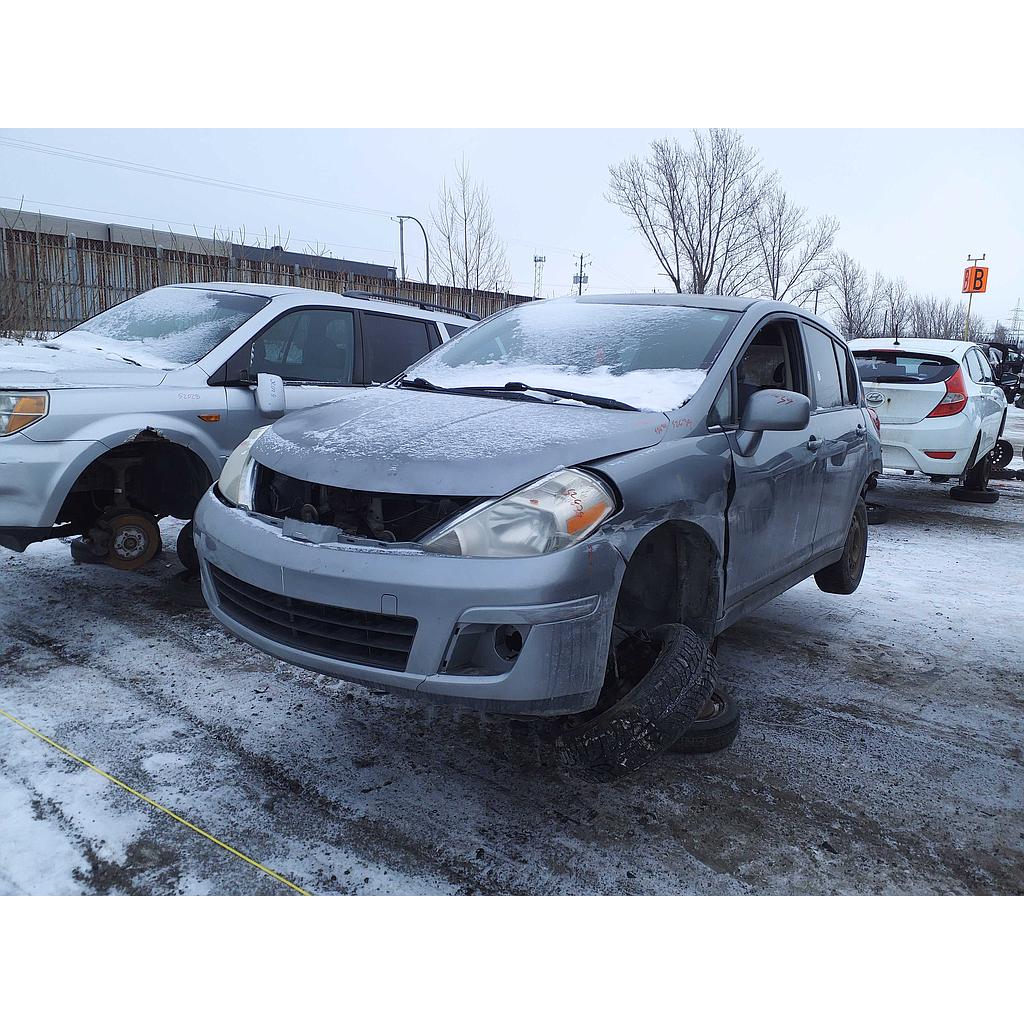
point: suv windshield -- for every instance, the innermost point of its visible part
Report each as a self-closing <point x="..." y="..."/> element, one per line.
<point x="168" y="327"/>
<point x="886" y="366"/>
<point x="647" y="356"/>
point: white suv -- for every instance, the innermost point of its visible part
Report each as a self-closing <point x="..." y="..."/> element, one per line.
<point x="941" y="411"/>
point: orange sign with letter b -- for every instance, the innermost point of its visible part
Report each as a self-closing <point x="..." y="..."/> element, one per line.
<point x="975" y="279"/>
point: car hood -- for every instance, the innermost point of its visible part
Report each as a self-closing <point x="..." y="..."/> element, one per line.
<point x="57" y="363"/>
<point x="416" y="442"/>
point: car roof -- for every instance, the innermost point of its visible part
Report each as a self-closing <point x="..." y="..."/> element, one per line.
<point x="929" y="346"/>
<point x="723" y="302"/>
<point x="316" y="297"/>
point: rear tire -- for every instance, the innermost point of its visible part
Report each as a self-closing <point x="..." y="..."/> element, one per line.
<point x="186" y="548"/>
<point x="877" y="514"/>
<point x="986" y="497"/>
<point x="975" y="486"/>
<point x="650" y="717"/>
<point x="844" y="576"/>
<point x="716" y="732"/>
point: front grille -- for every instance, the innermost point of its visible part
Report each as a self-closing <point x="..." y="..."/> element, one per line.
<point x="346" y="634"/>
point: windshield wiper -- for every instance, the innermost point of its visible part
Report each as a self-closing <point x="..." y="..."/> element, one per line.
<point x="422" y="384"/>
<point x="517" y="389"/>
<point x="599" y="400"/>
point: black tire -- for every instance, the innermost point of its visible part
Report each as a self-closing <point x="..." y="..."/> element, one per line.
<point x="1019" y="401"/>
<point x="716" y="732"/>
<point x="986" y="497"/>
<point x="872" y="482"/>
<point x="613" y="742"/>
<point x="877" y="514"/>
<point x="186" y="548"/>
<point x="1001" y="455"/>
<point x="134" y="540"/>
<point x="843" y="576"/>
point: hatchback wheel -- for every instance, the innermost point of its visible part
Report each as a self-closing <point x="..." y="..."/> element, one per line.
<point x="715" y="727"/>
<point x="1001" y="456"/>
<point x="843" y="577"/>
<point x="975" y="487"/>
<point x="134" y="540"/>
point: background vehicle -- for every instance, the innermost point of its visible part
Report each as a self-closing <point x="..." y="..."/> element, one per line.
<point x="133" y="418"/>
<point x="555" y="514"/>
<point x="940" y="408"/>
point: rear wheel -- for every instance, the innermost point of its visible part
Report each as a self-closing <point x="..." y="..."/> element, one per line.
<point x="975" y="486"/>
<point x="1002" y="455"/>
<point x="843" y="576"/>
<point x="656" y="686"/>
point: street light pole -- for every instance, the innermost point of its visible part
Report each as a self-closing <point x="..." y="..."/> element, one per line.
<point x="426" y="244"/>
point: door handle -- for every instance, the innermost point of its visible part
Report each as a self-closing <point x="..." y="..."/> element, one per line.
<point x="813" y="444"/>
<point x="860" y="428"/>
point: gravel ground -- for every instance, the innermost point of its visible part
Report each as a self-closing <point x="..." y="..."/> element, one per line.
<point x="880" y="750"/>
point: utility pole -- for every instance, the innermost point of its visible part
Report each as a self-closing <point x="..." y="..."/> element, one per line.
<point x="970" y="295"/>
<point x="402" y="218"/>
<point x="581" y="279"/>
<point x="538" y="275"/>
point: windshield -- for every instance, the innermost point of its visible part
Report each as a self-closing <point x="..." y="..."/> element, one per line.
<point x="168" y="327"/>
<point x="890" y="367"/>
<point x="648" y="356"/>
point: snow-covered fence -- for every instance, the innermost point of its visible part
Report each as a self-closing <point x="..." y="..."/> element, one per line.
<point x="50" y="282"/>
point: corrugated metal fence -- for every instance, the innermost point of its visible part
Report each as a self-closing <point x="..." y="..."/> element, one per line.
<point x="52" y="282"/>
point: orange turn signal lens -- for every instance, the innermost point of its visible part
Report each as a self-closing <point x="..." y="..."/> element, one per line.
<point x="18" y="411"/>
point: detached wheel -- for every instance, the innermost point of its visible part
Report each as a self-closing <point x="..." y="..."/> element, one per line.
<point x="186" y="548"/>
<point x="843" y="577"/>
<point x="975" y="487"/>
<point x="877" y="514"/>
<point x="134" y="540"/>
<point x="1002" y="455"/>
<point x="714" y="729"/>
<point x="677" y="675"/>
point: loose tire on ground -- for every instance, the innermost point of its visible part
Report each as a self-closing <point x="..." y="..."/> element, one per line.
<point x="650" y="717"/>
<point x="877" y="514"/>
<point x="843" y="576"/>
<point x="714" y="732"/>
<point x="186" y="548"/>
<point x="134" y="540"/>
<point x="975" y="487"/>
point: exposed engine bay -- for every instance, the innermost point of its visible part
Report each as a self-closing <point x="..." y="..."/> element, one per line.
<point x="383" y="517"/>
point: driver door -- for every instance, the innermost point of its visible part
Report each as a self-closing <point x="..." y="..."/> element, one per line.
<point x="777" y="489"/>
<point x="313" y="350"/>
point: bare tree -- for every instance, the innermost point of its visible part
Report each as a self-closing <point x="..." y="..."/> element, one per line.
<point x="466" y="246"/>
<point x="696" y="209"/>
<point x="793" y="251"/>
<point x="931" y="317"/>
<point x="897" y="305"/>
<point x="853" y="296"/>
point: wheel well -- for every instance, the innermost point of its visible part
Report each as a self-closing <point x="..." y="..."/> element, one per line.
<point x="148" y="473"/>
<point x="674" y="575"/>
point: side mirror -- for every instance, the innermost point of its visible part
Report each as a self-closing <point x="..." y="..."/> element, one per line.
<point x="270" y="395"/>
<point x="771" y="409"/>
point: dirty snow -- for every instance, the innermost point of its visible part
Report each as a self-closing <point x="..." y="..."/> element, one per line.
<point x="880" y="749"/>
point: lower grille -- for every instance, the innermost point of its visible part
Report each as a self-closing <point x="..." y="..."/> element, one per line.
<point x="363" y="638"/>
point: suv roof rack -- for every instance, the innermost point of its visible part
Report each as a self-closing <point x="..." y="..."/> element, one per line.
<point x="432" y="307"/>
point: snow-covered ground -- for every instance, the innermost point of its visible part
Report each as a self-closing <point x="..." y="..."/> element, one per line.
<point x="881" y="748"/>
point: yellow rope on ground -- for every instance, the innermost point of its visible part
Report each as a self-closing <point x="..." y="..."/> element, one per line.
<point x="153" y="803"/>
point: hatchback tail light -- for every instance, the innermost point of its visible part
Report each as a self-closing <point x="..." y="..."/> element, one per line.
<point x="873" y="416"/>
<point x="955" y="398"/>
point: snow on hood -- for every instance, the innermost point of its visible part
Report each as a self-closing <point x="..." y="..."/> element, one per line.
<point x="66" y="362"/>
<point x="417" y="442"/>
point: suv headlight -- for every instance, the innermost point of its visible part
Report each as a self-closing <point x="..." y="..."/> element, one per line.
<point x="236" y="478"/>
<point x="18" y="410"/>
<point x="550" y="514"/>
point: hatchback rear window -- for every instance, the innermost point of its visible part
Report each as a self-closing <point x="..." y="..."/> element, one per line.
<point x="885" y="366"/>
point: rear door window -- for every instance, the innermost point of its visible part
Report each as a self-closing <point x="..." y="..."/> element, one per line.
<point x="392" y="344"/>
<point x="889" y="366"/>
<point x="828" y="387"/>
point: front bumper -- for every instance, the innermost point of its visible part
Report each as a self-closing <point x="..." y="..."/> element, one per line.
<point x="561" y="606"/>
<point x="34" y="479"/>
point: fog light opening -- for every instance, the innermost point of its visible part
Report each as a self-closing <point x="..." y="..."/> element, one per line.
<point x="508" y="642"/>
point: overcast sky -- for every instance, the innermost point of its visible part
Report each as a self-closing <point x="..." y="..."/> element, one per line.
<point x="910" y="203"/>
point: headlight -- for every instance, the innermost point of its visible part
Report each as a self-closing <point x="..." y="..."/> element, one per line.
<point x="550" y="514"/>
<point x="236" y="478"/>
<point x="17" y="410"/>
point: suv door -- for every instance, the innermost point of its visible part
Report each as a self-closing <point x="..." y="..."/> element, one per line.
<point x="774" y="508"/>
<point x="839" y="433"/>
<point x="313" y="349"/>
